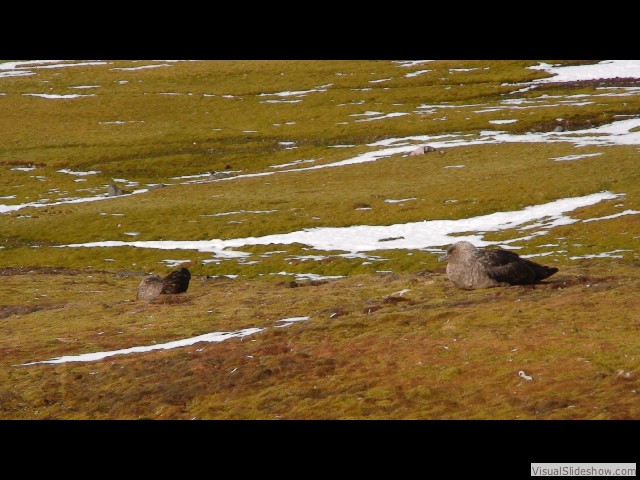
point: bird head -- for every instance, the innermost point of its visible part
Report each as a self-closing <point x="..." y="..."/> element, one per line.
<point x="457" y="248"/>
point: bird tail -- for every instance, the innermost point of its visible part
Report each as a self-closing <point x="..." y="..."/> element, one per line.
<point x="542" y="271"/>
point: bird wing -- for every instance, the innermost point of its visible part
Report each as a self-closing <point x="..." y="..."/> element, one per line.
<point x="176" y="282"/>
<point x="506" y="267"/>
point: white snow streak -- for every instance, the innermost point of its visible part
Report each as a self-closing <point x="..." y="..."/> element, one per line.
<point x="207" y="337"/>
<point x="54" y="96"/>
<point x="605" y="69"/>
<point x="143" y="67"/>
<point x="415" y="235"/>
<point x="615" y="215"/>
<point x="416" y="73"/>
<point x="80" y="174"/>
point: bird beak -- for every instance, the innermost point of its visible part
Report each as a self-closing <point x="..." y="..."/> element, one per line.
<point x="442" y="258"/>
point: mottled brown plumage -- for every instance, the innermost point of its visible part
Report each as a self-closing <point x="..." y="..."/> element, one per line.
<point x="470" y="268"/>
<point x="176" y="282"/>
<point x="152" y="285"/>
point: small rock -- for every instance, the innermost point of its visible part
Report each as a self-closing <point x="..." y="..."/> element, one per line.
<point x="334" y="312"/>
<point x="524" y="376"/>
<point x="559" y="128"/>
<point x="217" y="175"/>
<point x="623" y="375"/>
<point x="422" y="150"/>
<point x="113" y="191"/>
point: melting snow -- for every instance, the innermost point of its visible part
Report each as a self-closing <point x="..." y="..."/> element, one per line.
<point x="238" y="212"/>
<point x="605" y="69"/>
<point x="131" y="69"/>
<point x="615" y="215"/>
<point x="309" y="276"/>
<point x="602" y="255"/>
<point x="291" y="164"/>
<point x="416" y="73"/>
<point x="17" y="69"/>
<point x="389" y="200"/>
<point x="568" y="158"/>
<point x="207" y="337"/>
<point x="54" y="96"/>
<point x="501" y="122"/>
<point x="365" y="114"/>
<point x="290" y="321"/>
<point x="415" y="235"/>
<point x="80" y="174"/>
<point x="11" y="208"/>
<point x="298" y="93"/>
<point x="23" y="169"/>
<point x="388" y="115"/>
<point x="65" y="65"/>
<point x="280" y="101"/>
<point x="410" y="63"/>
<point x="174" y="263"/>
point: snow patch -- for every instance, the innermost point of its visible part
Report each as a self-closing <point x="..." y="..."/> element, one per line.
<point x="174" y="263"/>
<point x="416" y="73"/>
<point x="569" y="158"/>
<point x="368" y="113"/>
<point x="410" y="63"/>
<point x="502" y="122"/>
<point x="611" y="254"/>
<point x="224" y="214"/>
<point x="143" y="67"/>
<point x="388" y="115"/>
<point x="615" y="215"/>
<point x="291" y="164"/>
<point x="297" y="93"/>
<point x="389" y="200"/>
<point x="54" y="96"/>
<point x="79" y="174"/>
<point x="290" y="321"/>
<point x="605" y="69"/>
<point x="413" y="236"/>
<point x="207" y="337"/>
<point x="280" y="101"/>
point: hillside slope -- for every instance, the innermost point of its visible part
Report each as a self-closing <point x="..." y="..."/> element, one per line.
<point x="289" y="191"/>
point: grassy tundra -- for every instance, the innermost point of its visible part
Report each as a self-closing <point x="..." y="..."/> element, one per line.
<point x="240" y="155"/>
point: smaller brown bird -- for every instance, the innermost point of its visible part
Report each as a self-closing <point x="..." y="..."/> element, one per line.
<point x="152" y="285"/>
<point x="470" y="268"/>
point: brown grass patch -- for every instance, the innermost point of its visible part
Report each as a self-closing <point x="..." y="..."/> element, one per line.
<point x="171" y="299"/>
<point x="9" y="310"/>
<point x="10" y="271"/>
<point x="393" y="299"/>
